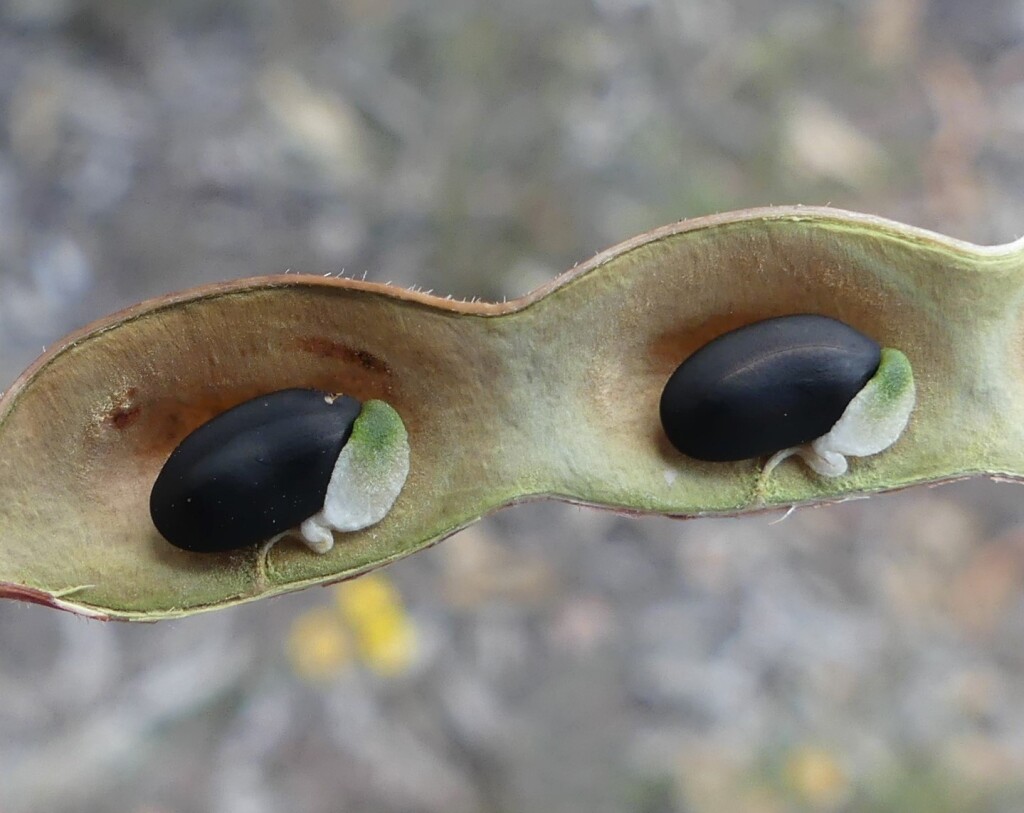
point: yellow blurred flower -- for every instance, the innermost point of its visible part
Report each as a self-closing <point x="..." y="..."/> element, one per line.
<point x="383" y="631"/>
<point x="318" y="646"/>
<point x="366" y="596"/>
<point x="817" y="778"/>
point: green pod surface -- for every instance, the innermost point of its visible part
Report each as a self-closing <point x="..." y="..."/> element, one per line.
<point x="552" y="395"/>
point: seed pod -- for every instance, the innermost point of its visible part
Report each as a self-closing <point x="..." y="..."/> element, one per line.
<point x="766" y="387"/>
<point x="252" y="472"/>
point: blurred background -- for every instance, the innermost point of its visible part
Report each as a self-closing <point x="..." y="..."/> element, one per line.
<point x="863" y="657"/>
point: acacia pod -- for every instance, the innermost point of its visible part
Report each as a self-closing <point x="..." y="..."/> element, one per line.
<point x="253" y="472"/>
<point x="501" y="402"/>
<point x="765" y="387"/>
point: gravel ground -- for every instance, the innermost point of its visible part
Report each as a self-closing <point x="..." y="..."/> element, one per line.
<point x="862" y="657"/>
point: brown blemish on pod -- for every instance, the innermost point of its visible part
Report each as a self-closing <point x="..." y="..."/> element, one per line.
<point x="324" y="347"/>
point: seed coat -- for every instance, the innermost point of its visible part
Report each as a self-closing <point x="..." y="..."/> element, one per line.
<point x="253" y="472"/>
<point x="765" y="387"/>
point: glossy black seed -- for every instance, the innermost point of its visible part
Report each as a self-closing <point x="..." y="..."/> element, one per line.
<point x="766" y="387"/>
<point x="252" y="472"/>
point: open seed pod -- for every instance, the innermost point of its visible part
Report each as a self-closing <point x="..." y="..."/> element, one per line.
<point x="552" y="395"/>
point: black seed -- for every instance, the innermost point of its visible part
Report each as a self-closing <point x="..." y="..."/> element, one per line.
<point x="766" y="387"/>
<point x="252" y="472"/>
